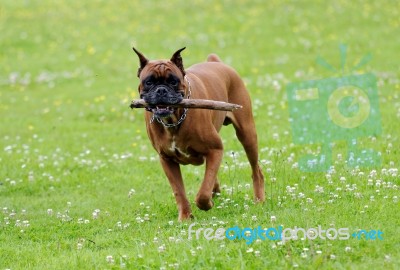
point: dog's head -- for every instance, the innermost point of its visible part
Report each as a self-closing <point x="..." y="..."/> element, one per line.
<point x="161" y="82"/>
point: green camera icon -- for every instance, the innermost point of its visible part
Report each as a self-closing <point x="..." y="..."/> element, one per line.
<point x="333" y="109"/>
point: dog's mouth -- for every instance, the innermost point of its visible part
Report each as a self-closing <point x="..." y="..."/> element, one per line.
<point x="162" y="110"/>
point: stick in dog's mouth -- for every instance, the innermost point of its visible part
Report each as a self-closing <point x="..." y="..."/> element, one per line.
<point x="189" y="103"/>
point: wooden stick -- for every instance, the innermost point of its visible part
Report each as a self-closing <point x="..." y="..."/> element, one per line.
<point x="192" y="103"/>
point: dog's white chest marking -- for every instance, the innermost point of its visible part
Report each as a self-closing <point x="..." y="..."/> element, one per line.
<point x="174" y="149"/>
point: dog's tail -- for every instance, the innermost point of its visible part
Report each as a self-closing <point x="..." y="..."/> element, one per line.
<point x="213" y="58"/>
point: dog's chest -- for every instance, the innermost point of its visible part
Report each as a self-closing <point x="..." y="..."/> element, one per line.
<point x="174" y="149"/>
<point x="181" y="153"/>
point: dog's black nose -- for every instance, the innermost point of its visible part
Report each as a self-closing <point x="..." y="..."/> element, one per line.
<point x="161" y="91"/>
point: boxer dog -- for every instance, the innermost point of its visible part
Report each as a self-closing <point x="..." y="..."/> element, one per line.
<point x="190" y="136"/>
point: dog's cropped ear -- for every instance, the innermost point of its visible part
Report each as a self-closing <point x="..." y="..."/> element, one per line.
<point x="177" y="60"/>
<point x="143" y="61"/>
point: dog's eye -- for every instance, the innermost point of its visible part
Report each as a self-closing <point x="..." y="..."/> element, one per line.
<point x="148" y="83"/>
<point x="173" y="82"/>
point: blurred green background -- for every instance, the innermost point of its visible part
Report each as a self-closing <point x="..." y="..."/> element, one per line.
<point x="69" y="142"/>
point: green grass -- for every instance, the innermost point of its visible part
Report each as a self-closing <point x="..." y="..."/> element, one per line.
<point x="70" y="146"/>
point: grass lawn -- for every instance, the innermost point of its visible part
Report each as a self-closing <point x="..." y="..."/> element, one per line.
<point x="82" y="188"/>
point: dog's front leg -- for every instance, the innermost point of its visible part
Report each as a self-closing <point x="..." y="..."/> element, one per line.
<point x="173" y="172"/>
<point x="204" y="196"/>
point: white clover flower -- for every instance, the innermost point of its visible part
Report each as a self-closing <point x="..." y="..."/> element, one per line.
<point x="95" y="215"/>
<point x="110" y="259"/>
<point x="139" y="220"/>
<point x="319" y="189"/>
<point x="311" y="233"/>
<point x="162" y="248"/>
<point x="131" y="192"/>
<point x="358" y="195"/>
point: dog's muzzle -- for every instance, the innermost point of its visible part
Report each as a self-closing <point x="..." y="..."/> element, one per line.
<point x="160" y="98"/>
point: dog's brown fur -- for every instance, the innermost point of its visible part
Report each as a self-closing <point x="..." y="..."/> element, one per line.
<point x="196" y="139"/>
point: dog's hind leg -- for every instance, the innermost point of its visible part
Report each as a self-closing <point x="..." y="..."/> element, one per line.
<point x="246" y="133"/>
<point x="244" y="125"/>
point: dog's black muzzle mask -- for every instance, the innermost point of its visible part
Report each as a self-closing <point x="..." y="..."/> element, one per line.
<point x="161" y="93"/>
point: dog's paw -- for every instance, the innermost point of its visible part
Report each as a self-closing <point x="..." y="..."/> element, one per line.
<point x="185" y="217"/>
<point x="259" y="199"/>
<point x="204" y="203"/>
